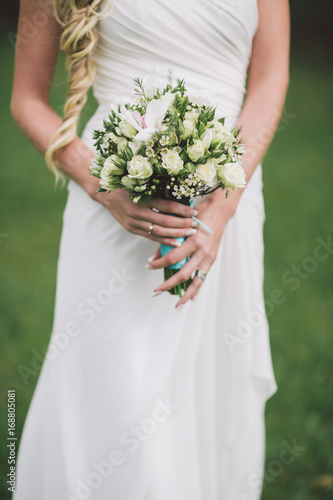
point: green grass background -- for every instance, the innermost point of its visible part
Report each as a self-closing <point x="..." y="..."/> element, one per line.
<point x="298" y="180"/>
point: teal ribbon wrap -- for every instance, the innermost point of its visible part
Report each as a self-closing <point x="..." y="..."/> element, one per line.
<point x="167" y="248"/>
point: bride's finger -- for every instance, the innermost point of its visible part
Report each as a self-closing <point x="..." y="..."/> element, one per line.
<point x="152" y="237"/>
<point x="164" y="220"/>
<point x="173" y="207"/>
<point x="156" y="255"/>
<point x="183" y="274"/>
<point x="164" y="232"/>
<point x="186" y="249"/>
<point x="196" y="284"/>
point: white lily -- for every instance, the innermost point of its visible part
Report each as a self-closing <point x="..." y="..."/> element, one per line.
<point x="152" y="120"/>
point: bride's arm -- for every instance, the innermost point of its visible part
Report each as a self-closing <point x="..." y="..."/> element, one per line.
<point x="268" y="80"/>
<point x="267" y="86"/>
<point x="35" y="61"/>
<point x="34" y="67"/>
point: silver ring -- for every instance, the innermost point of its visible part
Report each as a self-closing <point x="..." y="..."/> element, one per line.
<point x="200" y="274"/>
<point x="150" y="229"/>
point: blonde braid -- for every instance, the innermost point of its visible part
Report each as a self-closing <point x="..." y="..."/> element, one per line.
<point x="78" y="19"/>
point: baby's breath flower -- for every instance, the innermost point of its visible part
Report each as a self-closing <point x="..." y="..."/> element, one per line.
<point x="150" y="152"/>
<point x="164" y="141"/>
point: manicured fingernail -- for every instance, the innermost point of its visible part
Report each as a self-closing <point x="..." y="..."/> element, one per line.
<point x="194" y="223"/>
<point x="151" y="258"/>
<point x="155" y="294"/>
<point x="148" y="266"/>
<point x="175" y="243"/>
<point x="155" y="210"/>
<point x="179" y="308"/>
<point x="190" y="232"/>
<point x="194" y="212"/>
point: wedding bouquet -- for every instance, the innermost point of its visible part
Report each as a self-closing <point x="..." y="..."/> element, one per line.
<point x="167" y="143"/>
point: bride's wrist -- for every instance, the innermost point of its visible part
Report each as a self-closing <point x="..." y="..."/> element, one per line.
<point x="91" y="187"/>
<point x="227" y="206"/>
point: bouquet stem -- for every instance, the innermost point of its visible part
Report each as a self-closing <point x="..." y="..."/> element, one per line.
<point x="176" y="290"/>
<point x="174" y="268"/>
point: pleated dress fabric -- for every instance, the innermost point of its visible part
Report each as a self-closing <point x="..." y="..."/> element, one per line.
<point x="135" y="401"/>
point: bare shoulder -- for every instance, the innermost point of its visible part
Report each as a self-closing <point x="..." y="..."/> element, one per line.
<point x="37" y="22"/>
<point x="273" y="15"/>
<point x="271" y="43"/>
<point x="37" y="45"/>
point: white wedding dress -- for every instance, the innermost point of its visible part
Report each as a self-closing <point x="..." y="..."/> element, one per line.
<point x="135" y="402"/>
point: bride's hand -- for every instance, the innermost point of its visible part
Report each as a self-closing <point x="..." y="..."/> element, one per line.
<point x="202" y="247"/>
<point x="137" y="219"/>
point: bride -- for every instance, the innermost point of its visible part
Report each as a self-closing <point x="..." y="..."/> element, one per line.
<point x="135" y="402"/>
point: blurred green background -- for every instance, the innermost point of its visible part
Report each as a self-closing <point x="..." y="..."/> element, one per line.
<point x="298" y="179"/>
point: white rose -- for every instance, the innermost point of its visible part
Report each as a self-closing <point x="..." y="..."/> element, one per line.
<point x="139" y="168"/>
<point x="192" y="115"/>
<point x="106" y="179"/>
<point x="110" y="166"/>
<point x="196" y="150"/>
<point x="207" y="137"/>
<point x="207" y="173"/>
<point x="127" y="129"/>
<point x="223" y="133"/>
<point x="189" y="128"/>
<point x="172" y="162"/>
<point x="122" y="145"/>
<point x="219" y="160"/>
<point x="128" y="183"/>
<point x="232" y="175"/>
<point x="114" y="138"/>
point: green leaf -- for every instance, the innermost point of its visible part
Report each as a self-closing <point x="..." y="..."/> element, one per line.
<point x="183" y="156"/>
<point x="190" y="167"/>
<point x="142" y="151"/>
<point x="202" y="159"/>
<point x="100" y="190"/>
<point x="144" y="199"/>
<point x="127" y="153"/>
<point x="183" y="173"/>
<point x="216" y="153"/>
<point x="201" y="129"/>
<point x="159" y="169"/>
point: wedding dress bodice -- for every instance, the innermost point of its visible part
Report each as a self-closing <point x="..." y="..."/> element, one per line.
<point x="207" y="42"/>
